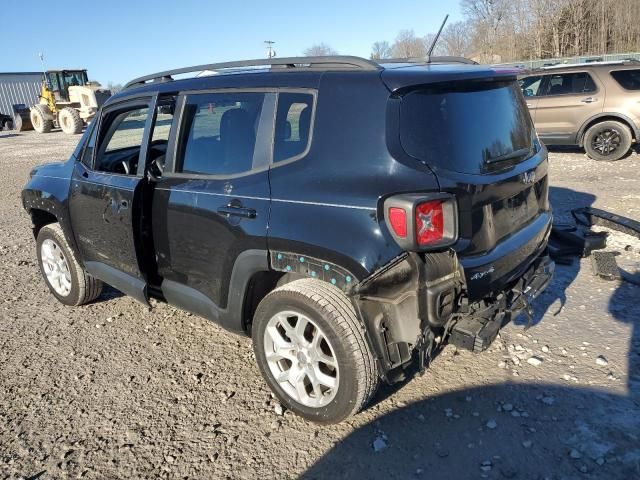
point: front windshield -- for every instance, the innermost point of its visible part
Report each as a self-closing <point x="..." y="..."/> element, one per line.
<point x="74" y="78"/>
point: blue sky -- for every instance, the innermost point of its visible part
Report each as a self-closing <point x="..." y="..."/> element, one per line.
<point x="119" y="40"/>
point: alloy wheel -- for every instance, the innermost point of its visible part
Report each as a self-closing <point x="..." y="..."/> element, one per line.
<point x="301" y="359"/>
<point x="606" y="141"/>
<point x="56" y="267"/>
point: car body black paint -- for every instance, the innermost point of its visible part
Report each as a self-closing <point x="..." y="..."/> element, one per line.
<point x="327" y="204"/>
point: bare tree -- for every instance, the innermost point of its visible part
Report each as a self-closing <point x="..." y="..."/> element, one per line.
<point x="381" y="50"/>
<point x="487" y="16"/>
<point x="320" y="50"/>
<point x="114" y="87"/>
<point x="407" y="45"/>
<point x="455" y="40"/>
<point x="507" y="30"/>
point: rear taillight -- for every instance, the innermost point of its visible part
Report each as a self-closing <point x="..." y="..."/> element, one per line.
<point x="398" y="221"/>
<point x="422" y="222"/>
<point x="429" y="222"/>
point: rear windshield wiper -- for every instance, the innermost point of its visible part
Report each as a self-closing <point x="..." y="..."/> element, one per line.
<point x="523" y="152"/>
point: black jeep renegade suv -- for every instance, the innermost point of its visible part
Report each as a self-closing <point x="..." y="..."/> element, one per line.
<point x="351" y="217"/>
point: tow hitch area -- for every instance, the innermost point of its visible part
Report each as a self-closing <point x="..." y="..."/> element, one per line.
<point x="478" y="324"/>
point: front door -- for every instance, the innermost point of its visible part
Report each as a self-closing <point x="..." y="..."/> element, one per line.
<point x="531" y="89"/>
<point x="567" y="101"/>
<point x="212" y="202"/>
<point x="104" y="203"/>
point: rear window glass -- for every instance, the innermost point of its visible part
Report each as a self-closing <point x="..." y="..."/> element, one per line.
<point x="469" y="128"/>
<point x="628" y="79"/>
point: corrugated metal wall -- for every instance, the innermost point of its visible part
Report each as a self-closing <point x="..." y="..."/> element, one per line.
<point x="19" y="88"/>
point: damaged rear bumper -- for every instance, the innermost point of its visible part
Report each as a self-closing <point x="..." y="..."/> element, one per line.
<point x="478" y="324"/>
<point x="418" y="301"/>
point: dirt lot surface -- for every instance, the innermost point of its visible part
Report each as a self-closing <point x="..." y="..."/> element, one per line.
<point x="111" y="390"/>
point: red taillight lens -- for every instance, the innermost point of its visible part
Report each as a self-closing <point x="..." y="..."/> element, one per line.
<point x="398" y="221"/>
<point x="429" y="222"/>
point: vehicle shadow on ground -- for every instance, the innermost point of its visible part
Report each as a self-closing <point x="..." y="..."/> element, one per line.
<point x="525" y="431"/>
<point x="563" y="200"/>
<point x="509" y="430"/>
<point x="542" y="431"/>
<point x="108" y="293"/>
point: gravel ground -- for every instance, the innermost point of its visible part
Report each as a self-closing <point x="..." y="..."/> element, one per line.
<point x="111" y="390"/>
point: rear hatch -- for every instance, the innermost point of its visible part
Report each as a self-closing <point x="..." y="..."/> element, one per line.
<point x="473" y="129"/>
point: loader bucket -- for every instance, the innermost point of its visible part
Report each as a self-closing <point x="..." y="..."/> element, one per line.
<point x="21" y="117"/>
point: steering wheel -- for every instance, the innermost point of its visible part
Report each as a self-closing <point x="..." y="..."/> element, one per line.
<point x="156" y="168"/>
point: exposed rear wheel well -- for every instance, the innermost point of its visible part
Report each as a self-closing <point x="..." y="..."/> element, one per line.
<point x="258" y="287"/>
<point x="40" y="218"/>
<point x="606" y="118"/>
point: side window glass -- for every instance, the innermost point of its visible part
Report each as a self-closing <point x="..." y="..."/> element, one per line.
<point x="121" y="136"/>
<point x="162" y="126"/>
<point x="628" y="79"/>
<point x="218" y="133"/>
<point x="293" y="125"/>
<point x="589" y="84"/>
<point x="160" y="135"/>
<point x="570" y="83"/>
<point x="530" y="86"/>
<point x="87" y="153"/>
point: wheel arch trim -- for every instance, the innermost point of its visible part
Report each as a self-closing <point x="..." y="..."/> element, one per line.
<point x="605" y="116"/>
<point x="42" y="201"/>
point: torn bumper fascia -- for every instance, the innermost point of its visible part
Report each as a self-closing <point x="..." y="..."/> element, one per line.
<point x="399" y="301"/>
<point x="417" y="294"/>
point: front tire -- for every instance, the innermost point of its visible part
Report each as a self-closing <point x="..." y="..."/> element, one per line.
<point x="70" y="121"/>
<point x="607" y="141"/>
<point x="39" y="119"/>
<point x="312" y="351"/>
<point x="60" y="268"/>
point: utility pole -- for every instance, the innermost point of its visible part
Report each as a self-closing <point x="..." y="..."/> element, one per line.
<point x="270" y="51"/>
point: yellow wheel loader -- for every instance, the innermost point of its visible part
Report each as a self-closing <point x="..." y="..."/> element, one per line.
<point x="67" y="100"/>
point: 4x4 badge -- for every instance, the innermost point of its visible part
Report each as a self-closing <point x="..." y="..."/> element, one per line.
<point x="528" y="177"/>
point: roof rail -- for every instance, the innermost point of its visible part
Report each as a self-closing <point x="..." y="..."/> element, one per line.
<point x="630" y="61"/>
<point x="433" y="59"/>
<point x="335" y="62"/>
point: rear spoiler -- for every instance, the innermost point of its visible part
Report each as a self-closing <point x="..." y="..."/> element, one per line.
<point x="397" y="79"/>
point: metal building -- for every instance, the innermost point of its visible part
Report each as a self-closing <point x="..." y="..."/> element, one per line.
<point x="19" y="87"/>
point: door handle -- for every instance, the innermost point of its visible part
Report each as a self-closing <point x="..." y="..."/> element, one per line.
<point x="237" y="211"/>
<point x="589" y="100"/>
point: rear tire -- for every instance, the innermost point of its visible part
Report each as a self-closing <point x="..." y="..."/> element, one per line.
<point x="607" y="141"/>
<point x="62" y="272"/>
<point x="70" y="121"/>
<point x="18" y="124"/>
<point x="38" y="119"/>
<point x="325" y="383"/>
